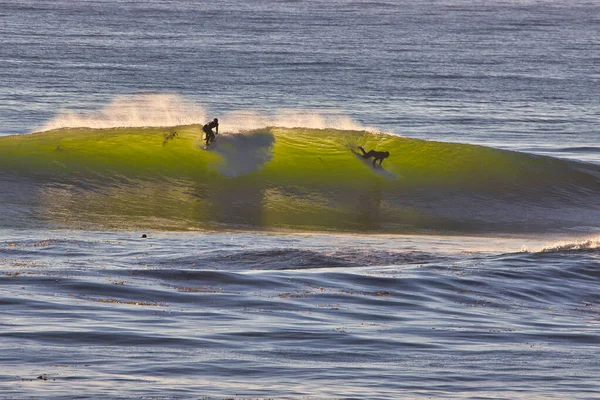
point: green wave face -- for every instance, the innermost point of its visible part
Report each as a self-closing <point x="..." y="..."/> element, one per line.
<point x="162" y="178"/>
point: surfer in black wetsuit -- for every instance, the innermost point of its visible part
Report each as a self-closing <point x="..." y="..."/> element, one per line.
<point x="208" y="130"/>
<point x="377" y="155"/>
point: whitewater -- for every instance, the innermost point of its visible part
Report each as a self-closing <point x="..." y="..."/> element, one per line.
<point x="278" y="263"/>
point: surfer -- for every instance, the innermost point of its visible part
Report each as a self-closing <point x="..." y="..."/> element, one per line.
<point x="208" y="130"/>
<point x="377" y="155"/>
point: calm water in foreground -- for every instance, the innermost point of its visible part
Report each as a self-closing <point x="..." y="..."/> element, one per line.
<point x="187" y="315"/>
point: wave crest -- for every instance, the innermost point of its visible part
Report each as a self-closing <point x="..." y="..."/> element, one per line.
<point x="289" y="178"/>
<point x="140" y="110"/>
<point x="164" y="110"/>
<point x="580" y="245"/>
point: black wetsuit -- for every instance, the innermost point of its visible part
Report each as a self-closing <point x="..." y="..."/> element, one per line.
<point x="208" y="129"/>
<point x="377" y="155"/>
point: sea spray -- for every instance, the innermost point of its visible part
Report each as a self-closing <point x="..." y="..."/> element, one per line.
<point x="140" y="110"/>
<point x="165" y="109"/>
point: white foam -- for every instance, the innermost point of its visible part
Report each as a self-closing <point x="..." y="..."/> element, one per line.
<point x="152" y="110"/>
<point x="586" y="244"/>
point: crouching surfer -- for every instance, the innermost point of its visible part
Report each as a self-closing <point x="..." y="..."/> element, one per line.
<point x="377" y="155"/>
<point x="208" y="130"/>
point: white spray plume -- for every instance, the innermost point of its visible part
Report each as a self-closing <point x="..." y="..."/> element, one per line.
<point x="133" y="111"/>
<point x="152" y="110"/>
<point x="247" y="120"/>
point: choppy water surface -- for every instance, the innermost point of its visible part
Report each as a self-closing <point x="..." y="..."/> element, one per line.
<point x="296" y="316"/>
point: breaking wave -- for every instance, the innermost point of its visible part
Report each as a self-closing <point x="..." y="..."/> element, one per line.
<point x="290" y="178"/>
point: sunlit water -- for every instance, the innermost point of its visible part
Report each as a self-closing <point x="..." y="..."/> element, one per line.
<point x="234" y="314"/>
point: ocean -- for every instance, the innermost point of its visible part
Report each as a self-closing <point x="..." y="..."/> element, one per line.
<point x="279" y="263"/>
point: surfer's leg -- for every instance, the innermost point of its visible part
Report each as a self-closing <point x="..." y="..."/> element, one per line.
<point x="370" y="154"/>
<point x="210" y="136"/>
<point x="206" y="134"/>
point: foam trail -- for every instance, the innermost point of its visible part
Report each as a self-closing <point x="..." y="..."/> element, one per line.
<point x="159" y="110"/>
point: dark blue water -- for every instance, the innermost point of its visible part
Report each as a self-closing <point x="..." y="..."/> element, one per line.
<point x="92" y="314"/>
<point x="246" y="315"/>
